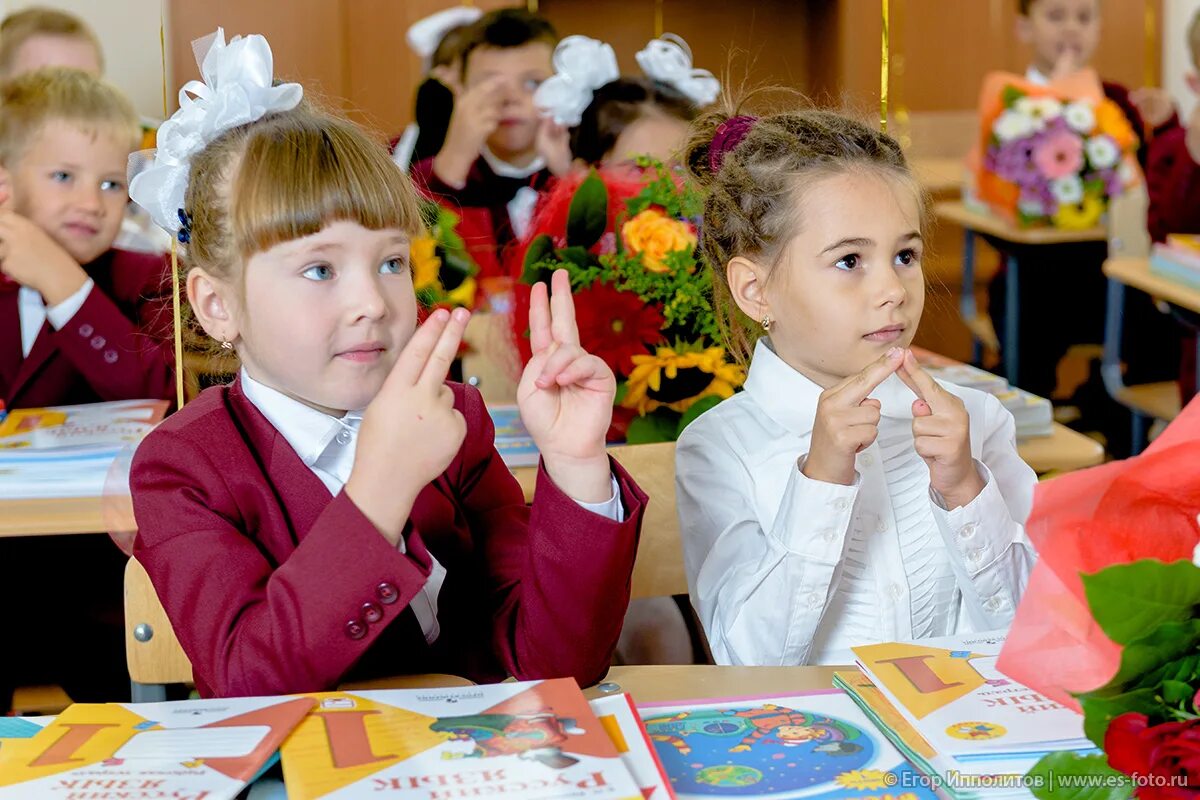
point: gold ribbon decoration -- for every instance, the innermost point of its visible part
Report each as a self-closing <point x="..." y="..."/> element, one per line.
<point x="176" y="306"/>
<point x="883" y="73"/>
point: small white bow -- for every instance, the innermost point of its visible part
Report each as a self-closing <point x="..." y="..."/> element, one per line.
<point x="236" y="90"/>
<point x="668" y="60"/>
<point x="581" y="66"/>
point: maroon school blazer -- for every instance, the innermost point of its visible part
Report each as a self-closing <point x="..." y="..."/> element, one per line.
<point x="118" y="346"/>
<point x="273" y="586"/>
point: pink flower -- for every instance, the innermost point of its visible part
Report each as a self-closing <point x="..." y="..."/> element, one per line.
<point x="1059" y="154"/>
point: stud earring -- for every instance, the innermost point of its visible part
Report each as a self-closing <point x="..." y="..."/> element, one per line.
<point x="766" y="323"/>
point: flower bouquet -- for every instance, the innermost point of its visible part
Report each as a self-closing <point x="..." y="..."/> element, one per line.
<point x="1109" y="624"/>
<point x="1052" y="155"/>
<point x="628" y="240"/>
<point x="443" y="270"/>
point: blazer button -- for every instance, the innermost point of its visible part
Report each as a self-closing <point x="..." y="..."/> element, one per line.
<point x="387" y="593"/>
<point x="355" y="629"/>
<point x="371" y="612"/>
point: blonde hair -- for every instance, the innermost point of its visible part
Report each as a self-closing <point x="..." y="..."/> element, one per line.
<point x="1193" y="39"/>
<point x="32" y="99"/>
<point x="287" y="176"/>
<point x="21" y="26"/>
<point x="752" y="200"/>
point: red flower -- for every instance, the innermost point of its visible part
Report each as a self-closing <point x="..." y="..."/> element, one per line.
<point x="1164" y="759"/>
<point x="616" y="325"/>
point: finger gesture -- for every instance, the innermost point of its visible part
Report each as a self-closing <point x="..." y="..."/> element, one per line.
<point x="942" y="436"/>
<point x="848" y="421"/>
<point x="566" y="394"/>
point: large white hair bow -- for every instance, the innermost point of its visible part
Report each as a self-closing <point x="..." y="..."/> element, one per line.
<point x="236" y="90"/>
<point x="426" y="34"/>
<point x="668" y="60"/>
<point x="581" y="65"/>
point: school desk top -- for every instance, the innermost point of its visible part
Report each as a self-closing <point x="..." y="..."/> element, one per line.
<point x="1136" y="272"/>
<point x="938" y="175"/>
<point x="957" y="212"/>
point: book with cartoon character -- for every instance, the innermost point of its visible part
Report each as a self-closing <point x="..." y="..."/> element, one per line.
<point x="533" y="740"/>
<point x="620" y="719"/>
<point x="186" y="749"/>
<point x="813" y="745"/>
<point x="950" y="690"/>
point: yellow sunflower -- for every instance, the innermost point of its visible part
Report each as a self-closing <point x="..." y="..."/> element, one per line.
<point x="676" y="379"/>
<point x="464" y="295"/>
<point x="425" y="263"/>
<point x="1075" y="217"/>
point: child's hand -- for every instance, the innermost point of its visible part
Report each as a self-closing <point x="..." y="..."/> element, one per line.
<point x="1155" y="105"/>
<point x="942" y="436"/>
<point x="554" y="145"/>
<point x="476" y="115"/>
<point x="411" y="431"/>
<point x="31" y="258"/>
<point x="848" y="421"/>
<point x="1068" y="63"/>
<point x="566" y="396"/>
<point x="1192" y="138"/>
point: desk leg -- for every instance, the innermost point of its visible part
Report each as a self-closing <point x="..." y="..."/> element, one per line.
<point x="1114" y="313"/>
<point x="1011" y="315"/>
<point x="147" y="692"/>
<point x="966" y="301"/>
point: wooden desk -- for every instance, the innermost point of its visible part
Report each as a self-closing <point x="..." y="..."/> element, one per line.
<point x="653" y="684"/>
<point x="1147" y="401"/>
<point x="939" y="175"/>
<point x="59" y="515"/>
<point x="976" y="223"/>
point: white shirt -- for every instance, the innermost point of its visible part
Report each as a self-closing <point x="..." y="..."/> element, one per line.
<point x="507" y="170"/>
<point x="34" y="312"/>
<point x="785" y="570"/>
<point x="1036" y="76"/>
<point x="327" y="445"/>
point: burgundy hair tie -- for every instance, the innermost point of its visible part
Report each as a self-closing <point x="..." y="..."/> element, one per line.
<point x="729" y="135"/>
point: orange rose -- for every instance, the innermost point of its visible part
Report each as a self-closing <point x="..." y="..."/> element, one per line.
<point x="425" y="263"/>
<point x="652" y="234"/>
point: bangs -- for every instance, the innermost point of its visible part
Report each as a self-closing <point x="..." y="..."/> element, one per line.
<point x="294" y="179"/>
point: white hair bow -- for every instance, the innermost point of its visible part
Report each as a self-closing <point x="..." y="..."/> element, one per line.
<point x="426" y="34"/>
<point x="236" y="90"/>
<point x="668" y="60"/>
<point x="581" y="65"/>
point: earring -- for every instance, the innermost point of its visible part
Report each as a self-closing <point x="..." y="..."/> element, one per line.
<point x="766" y="323"/>
<point x="226" y="345"/>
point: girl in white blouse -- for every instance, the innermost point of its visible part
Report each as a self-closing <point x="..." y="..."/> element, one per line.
<point x="845" y="497"/>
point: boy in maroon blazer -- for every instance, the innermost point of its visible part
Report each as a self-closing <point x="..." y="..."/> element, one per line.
<point x="1173" y="181"/>
<point x="496" y="143"/>
<point x="80" y="322"/>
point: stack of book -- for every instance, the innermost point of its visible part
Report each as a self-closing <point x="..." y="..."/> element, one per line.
<point x="1033" y="415"/>
<point x="67" y="451"/>
<point x="972" y="730"/>
<point x="1178" y="259"/>
<point x="513" y="441"/>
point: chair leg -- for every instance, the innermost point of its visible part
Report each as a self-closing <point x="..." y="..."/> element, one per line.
<point x="148" y="692"/>
<point x="1137" y="439"/>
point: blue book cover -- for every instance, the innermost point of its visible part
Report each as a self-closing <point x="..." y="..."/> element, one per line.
<point x="816" y="745"/>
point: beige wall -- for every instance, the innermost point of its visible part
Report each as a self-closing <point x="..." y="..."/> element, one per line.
<point x="128" y="31"/>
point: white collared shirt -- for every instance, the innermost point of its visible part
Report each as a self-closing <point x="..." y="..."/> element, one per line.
<point x="785" y="570"/>
<point x="507" y="170"/>
<point x="1036" y="76"/>
<point x="327" y="445"/>
<point x="34" y="312"/>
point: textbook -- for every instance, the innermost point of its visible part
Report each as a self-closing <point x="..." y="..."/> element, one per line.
<point x="513" y="441"/>
<point x="1033" y="415"/>
<point x="950" y="691"/>
<point x="1000" y="778"/>
<point x="621" y="722"/>
<point x="534" y="740"/>
<point x="187" y="749"/>
<point x="67" y="451"/>
<point x="815" y="745"/>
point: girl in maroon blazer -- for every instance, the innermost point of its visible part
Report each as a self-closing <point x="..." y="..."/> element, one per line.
<point x="339" y="510"/>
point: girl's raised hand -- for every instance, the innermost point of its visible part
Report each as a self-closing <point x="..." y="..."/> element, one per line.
<point x="411" y="431"/>
<point x="942" y="436"/>
<point x="566" y="396"/>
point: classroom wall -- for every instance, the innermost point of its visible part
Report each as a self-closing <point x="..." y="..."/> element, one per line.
<point x="1176" y="59"/>
<point x="129" y="33"/>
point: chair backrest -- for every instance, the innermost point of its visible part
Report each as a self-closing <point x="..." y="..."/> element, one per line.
<point x="658" y="569"/>
<point x="154" y="655"/>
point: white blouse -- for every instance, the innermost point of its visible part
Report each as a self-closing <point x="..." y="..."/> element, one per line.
<point x="784" y="570"/>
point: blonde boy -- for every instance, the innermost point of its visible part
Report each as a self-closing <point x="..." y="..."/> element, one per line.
<point x="38" y="37"/>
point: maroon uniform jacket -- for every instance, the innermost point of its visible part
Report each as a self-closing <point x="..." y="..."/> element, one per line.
<point x="273" y="586"/>
<point x="118" y="345"/>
